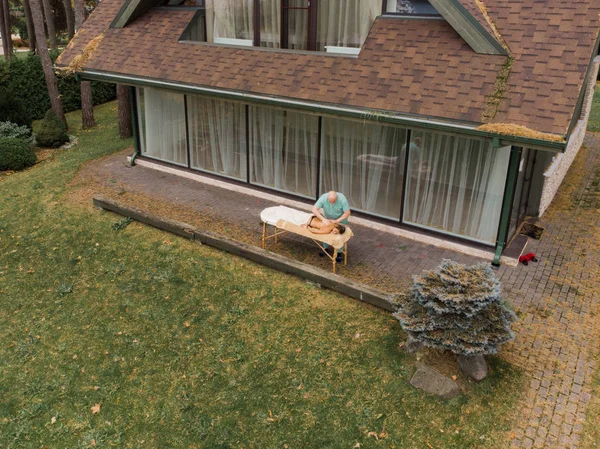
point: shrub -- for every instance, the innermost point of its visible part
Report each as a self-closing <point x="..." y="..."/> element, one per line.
<point x="13" y="109"/>
<point x="25" y="77"/>
<point x="15" y="154"/>
<point x="458" y="308"/>
<point x="9" y="129"/>
<point x="53" y="132"/>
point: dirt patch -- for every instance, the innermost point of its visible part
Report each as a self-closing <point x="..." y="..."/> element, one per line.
<point x="533" y="231"/>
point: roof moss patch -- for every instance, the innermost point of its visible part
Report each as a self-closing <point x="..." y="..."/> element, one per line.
<point x="510" y="129"/>
<point x="81" y="59"/>
<point x="493" y="100"/>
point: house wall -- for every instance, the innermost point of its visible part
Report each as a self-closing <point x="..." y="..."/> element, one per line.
<point x="554" y="175"/>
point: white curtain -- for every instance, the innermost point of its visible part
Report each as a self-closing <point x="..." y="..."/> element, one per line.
<point x="456" y="185"/>
<point x="270" y="23"/>
<point x="233" y="19"/>
<point x="366" y="163"/>
<point x="217" y="136"/>
<point x="162" y="125"/>
<point x="345" y="23"/>
<point x="283" y="149"/>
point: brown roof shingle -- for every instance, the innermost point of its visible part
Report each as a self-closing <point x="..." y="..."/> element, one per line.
<point x="420" y="67"/>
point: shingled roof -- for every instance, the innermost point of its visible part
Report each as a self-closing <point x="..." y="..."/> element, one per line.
<point x="407" y="66"/>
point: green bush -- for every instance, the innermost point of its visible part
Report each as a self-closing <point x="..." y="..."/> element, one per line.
<point x="12" y="109"/>
<point x="53" y="132"/>
<point x="15" y="154"/>
<point x="9" y="129"/>
<point x="25" y="78"/>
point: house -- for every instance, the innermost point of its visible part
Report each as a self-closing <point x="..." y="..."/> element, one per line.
<point x="455" y="117"/>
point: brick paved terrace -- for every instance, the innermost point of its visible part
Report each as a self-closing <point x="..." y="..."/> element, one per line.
<point x="556" y="299"/>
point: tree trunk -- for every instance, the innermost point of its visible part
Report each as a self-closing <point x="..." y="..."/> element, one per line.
<point x="79" y="11"/>
<point x="29" y="23"/>
<point x="125" y="130"/>
<point x="51" y="82"/>
<point x="4" y="32"/>
<point x="49" y="15"/>
<point x="87" y="105"/>
<point x="7" y="20"/>
<point x="69" y="15"/>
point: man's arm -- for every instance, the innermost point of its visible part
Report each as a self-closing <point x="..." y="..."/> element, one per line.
<point x="317" y="213"/>
<point x="343" y="217"/>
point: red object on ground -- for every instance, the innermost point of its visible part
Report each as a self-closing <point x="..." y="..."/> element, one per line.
<point x="529" y="257"/>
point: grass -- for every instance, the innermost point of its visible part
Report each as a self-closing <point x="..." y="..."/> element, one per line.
<point x="594" y="123"/>
<point x="119" y="335"/>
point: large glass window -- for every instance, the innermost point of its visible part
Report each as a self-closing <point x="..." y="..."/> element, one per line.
<point x="345" y="24"/>
<point x="283" y="150"/>
<point x="162" y="125"/>
<point x="326" y="25"/>
<point x="270" y="23"/>
<point x="455" y="185"/>
<point x="217" y="136"/>
<point x="234" y="19"/>
<point x="443" y="182"/>
<point x="366" y="162"/>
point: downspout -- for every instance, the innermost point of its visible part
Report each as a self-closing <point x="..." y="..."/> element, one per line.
<point x="134" y="125"/>
<point x="513" y="170"/>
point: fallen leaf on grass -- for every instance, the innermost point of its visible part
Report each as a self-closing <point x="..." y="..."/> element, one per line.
<point x="95" y="409"/>
<point x="373" y="434"/>
<point x="53" y="420"/>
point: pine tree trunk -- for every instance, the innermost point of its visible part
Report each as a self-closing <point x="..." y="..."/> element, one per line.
<point x="69" y="15"/>
<point x="79" y="10"/>
<point x="29" y="23"/>
<point x="51" y="82"/>
<point x="49" y="23"/>
<point x="7" y="20"/>
<point x="87" y="106"/>
<point x="4" y="32"/>
<point x="125" y="130"/>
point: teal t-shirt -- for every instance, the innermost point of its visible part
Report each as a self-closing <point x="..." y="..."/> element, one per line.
<point x="335" y="210"/>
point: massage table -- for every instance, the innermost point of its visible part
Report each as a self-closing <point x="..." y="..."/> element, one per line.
<point x="285" y="219"/>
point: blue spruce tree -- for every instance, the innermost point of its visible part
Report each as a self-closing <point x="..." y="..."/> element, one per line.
<point x="457" y="308"/>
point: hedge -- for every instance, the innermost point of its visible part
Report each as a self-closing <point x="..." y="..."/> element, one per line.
<point x="25" y="78"/>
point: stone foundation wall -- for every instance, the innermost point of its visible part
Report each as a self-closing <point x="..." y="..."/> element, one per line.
<point x="553" y="177"/>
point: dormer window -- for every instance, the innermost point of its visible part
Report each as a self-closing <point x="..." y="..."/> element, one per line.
<point x="334" y="26"/>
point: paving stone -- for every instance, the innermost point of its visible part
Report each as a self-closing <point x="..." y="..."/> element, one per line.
<point x="432" y="382"/>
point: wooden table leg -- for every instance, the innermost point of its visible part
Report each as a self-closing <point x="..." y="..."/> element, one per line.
<point x="264" y="235"/>
<point x="346" y="253"/>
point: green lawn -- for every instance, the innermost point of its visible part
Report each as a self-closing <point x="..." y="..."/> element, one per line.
<point x="594" y="123"/>
<point x="176" y="345"/>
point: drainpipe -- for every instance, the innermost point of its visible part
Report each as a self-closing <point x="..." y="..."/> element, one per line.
<point x="513" y="171"/>
<point x="134" y="125"/>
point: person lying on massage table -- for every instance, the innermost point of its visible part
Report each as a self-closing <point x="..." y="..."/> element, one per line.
<point x="317" y="226"/>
